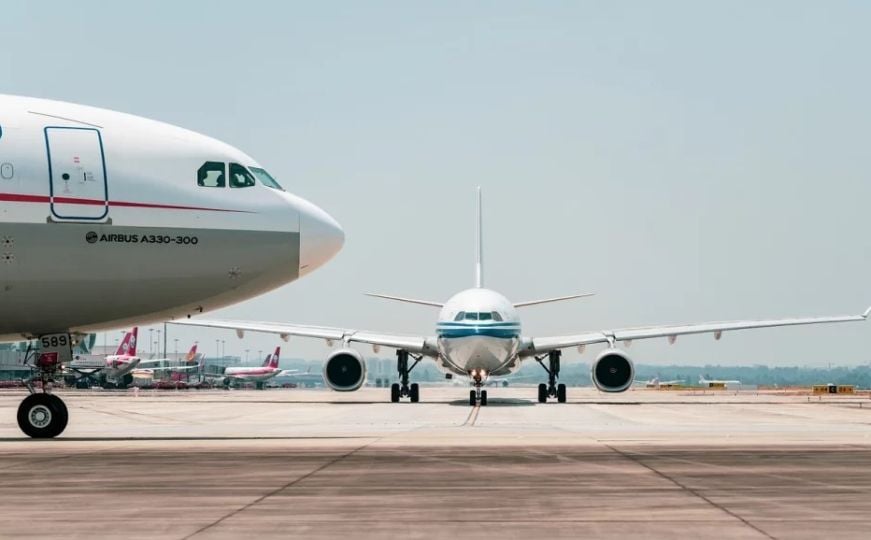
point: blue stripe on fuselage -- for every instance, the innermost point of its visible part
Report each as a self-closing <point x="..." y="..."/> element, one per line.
<point x="506" y="332"/>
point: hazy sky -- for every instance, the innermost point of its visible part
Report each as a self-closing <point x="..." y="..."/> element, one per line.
<point x="687" y="161"/>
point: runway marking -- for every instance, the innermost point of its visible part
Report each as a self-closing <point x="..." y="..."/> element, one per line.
<point x="280" y="489"/>
<point x="688" y="489"/>
<point x="473" y="417"/>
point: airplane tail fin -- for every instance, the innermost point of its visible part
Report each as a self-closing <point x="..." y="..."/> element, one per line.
<point x="267" y="360"/>
<point x="192" y="354"/>
<point x="128" y="344"/>
<point x="479" y="246"/>
<point x="273" y="361"/>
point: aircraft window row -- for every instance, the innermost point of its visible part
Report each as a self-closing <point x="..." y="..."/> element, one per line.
<point x="478" y="316"/>
<point x="213" y="174"/>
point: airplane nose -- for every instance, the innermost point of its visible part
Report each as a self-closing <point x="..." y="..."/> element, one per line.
<point x="320" y="238"/>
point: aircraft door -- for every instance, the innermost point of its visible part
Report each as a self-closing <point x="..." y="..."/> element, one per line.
<point x="77" y="174"/>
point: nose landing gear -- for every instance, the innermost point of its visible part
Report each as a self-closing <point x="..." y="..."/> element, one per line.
<point x="478" y="396"/>
<point x="403" y="389"/>
<point x="43" y="415"/>
<point x="551" y="389"/>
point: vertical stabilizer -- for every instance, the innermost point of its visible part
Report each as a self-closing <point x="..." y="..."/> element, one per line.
<point x="479" y="248"/>
<point x="128" y="344"/>
<point x="273" y="362"/>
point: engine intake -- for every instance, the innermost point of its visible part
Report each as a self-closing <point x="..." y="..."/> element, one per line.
<point x="345" y="370"/>
<point x="613" y="371"/>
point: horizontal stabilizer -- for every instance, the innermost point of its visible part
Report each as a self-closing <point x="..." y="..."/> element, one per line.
<point x="548" y="300"/>
<point x="406" y="300"/>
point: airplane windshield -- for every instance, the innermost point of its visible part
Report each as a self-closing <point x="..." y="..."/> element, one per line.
<point x="265" y="178"/>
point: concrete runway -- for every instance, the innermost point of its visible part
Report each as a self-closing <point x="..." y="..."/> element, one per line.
<point x="316" y="464"/>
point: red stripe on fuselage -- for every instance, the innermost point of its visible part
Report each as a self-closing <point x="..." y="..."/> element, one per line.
<point x="44" y="199"/>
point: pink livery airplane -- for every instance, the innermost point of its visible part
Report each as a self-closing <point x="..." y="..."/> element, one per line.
<point x="114" y="367"/>
<point x="257" y="375"/>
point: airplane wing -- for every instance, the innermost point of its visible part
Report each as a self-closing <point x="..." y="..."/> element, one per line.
<point x="415" y="344"/>
<point x="545" y="344"/>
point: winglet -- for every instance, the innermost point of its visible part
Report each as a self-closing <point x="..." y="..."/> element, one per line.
<point x="867" y="312"/>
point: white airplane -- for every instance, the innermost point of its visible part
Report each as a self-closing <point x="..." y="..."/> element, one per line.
<point x="93" y="205"/>
<point x="478" y="335"/>
<point x="192" y="360"/>
<point x="656" y="383"/>
<point x="257" y="375"/>
<point x="718" y="383"/>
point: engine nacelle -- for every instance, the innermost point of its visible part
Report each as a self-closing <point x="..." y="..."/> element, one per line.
<point x="613" y="371"/>
<point x="345" y="371"/>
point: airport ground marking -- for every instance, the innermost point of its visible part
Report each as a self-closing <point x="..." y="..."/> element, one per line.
<point x="636" y="459"/>
<point x="278" y="490"/>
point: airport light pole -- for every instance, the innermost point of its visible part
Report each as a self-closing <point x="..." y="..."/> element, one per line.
<point x="246" y="355"/>
<point x="158" y="344"/>
<point x="217" y="348"/>
<point x="176" y="347"/>
<point x="151" y="341"/>
<point x="224" y="346"/>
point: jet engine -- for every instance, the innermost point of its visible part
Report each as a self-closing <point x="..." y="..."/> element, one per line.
<point x="613" y="371"/>
<point x="345" y="370"/>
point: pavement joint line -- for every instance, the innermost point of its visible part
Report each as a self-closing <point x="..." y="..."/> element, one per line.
<point x="473" y="416"/>
<point x="280" y="489"/>
<point x="688" y="489"/>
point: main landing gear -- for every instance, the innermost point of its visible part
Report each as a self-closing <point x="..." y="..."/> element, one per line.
<point x="551" y="389"/>
<point x="43" y="415"/>
<point x="478" y="396"/>
<point x="403" y="389"/>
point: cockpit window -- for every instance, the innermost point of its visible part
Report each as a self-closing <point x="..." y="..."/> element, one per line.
<point x="211" y="174"/>
<point x="496" y="316"/>
<point x="460" y="316"/>
<point x="240" y="177"/>
<point x="485" y="316"/>
<point x="265" y="178"/>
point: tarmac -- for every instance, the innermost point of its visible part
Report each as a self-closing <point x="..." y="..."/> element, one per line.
<point x="316" y="464"/>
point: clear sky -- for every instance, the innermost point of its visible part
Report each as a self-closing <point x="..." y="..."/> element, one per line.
<point x="687" y="161"/>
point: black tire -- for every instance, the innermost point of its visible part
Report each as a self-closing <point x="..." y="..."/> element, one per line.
<point x="42" y="416"/>
<point x="473" y="399"/>
<point x="542" y="393"/>
<point x="63" y="412"/>
<point x="126" y="381"/>
<point x="414" y="392"/>
<point x="561" y="393"/>
<point x="394" y="393"/>
<point x="483" y="398"/>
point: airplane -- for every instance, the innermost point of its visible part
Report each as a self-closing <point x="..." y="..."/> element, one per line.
<point x="717" y="383"/>
<point x="116" y="368"/>
<point x="191" y="356"/>
<point x="93" y="203"/>
<point x="257" y="375"/>
<point x="656" y="383"/>
<point x="478" y="335"/>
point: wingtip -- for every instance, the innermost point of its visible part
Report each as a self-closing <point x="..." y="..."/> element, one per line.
<point x="867" y="312"/>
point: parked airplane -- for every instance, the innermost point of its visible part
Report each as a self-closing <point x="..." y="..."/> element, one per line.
<point x="718" y="383"/>
<point x="116" y="368"/>
<point x="93" y="203"/>
<point x="656" y="383"/>
<point x="478" y="335"/>
<point x="160" y="363"/>
<point x="257" y="375"/>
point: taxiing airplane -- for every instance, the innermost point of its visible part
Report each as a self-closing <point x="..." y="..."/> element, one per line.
<point x="257" y="375"/>
<point x="656" y="383"/>
<point x="93" y="203"/>
<point x="478" y="335"/>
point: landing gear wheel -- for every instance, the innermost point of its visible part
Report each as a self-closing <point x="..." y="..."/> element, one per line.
<point x="42" y="416"/>
<point x="561" y="393"/>
<point x="473" y="398"/>
<point x="483" y="398"/>
<point x="414" y="392"/>
<point x="394" y="393"/>
<point x="542" y="393"/>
